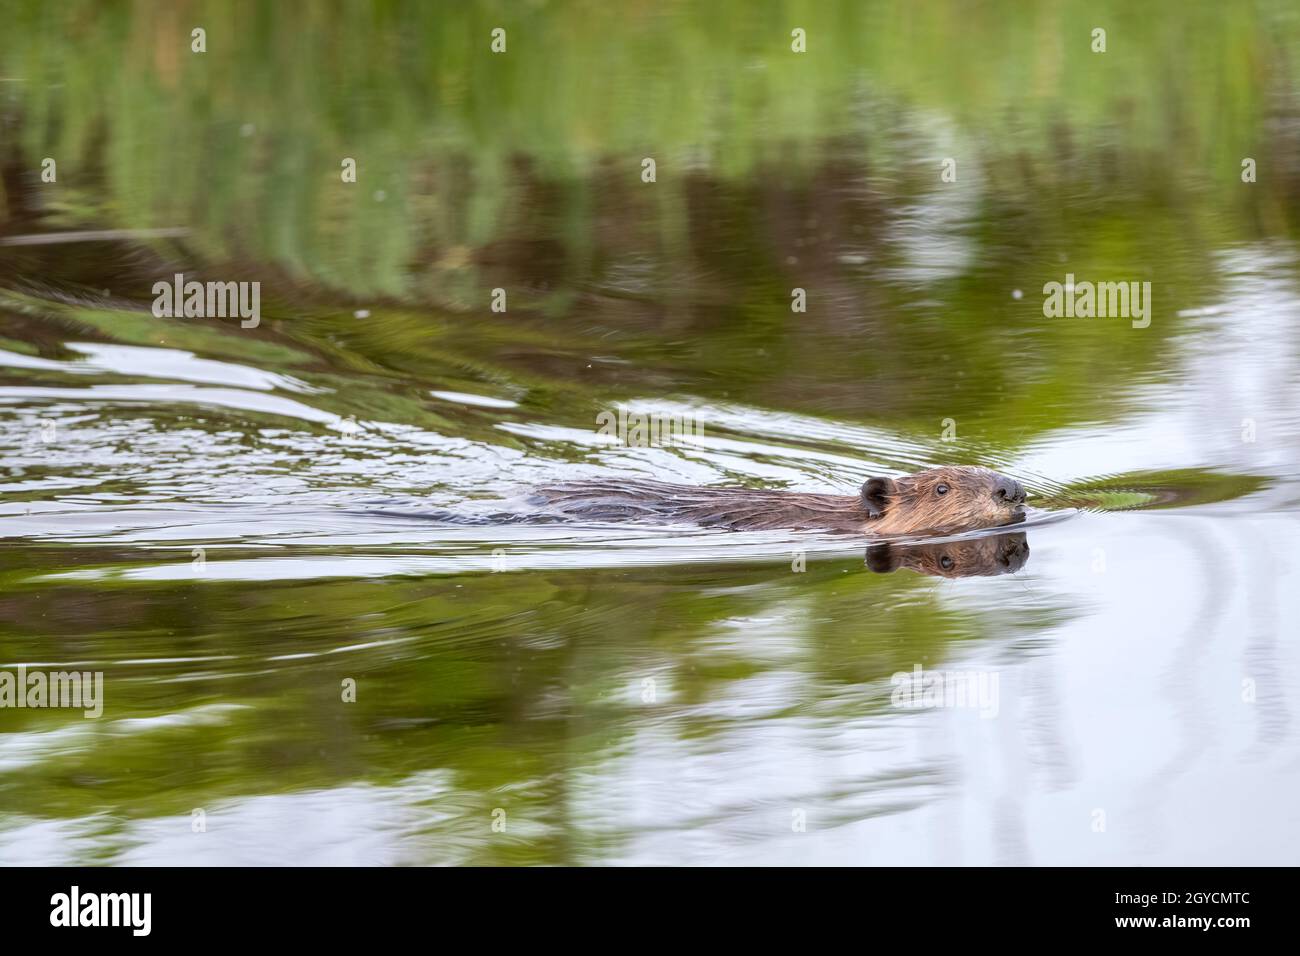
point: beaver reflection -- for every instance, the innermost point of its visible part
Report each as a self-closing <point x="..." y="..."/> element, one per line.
<point x="969" y="557"/>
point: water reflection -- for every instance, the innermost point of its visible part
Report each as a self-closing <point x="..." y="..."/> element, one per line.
<point x="963" y="558"/>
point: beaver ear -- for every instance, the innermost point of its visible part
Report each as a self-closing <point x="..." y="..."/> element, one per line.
<point x="881" y="559"/>
<point x="876" y="493"/>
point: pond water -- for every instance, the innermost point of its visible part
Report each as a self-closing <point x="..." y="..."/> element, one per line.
<point x="285" y="544"/>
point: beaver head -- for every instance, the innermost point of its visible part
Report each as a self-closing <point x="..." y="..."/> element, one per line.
<point x="968" y="557"/>
<point x="941" y="500"/>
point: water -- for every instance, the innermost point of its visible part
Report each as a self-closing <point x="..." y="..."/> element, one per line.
<point x="240" y="527"/>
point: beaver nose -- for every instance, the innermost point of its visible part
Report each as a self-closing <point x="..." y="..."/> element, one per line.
<point x="1010" y="490"/>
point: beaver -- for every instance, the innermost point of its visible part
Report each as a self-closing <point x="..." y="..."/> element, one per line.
<point x="936" y="501"/>
<point x="963" y="558"/>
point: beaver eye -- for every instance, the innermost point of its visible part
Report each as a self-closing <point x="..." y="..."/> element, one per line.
<point x="946" y="563"/>
<point x="940" y="489"/>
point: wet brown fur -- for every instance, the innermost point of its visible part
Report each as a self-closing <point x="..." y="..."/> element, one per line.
<point x="908" y="505"/>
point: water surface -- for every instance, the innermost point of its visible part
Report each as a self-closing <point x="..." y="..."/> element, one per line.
<point x="232" y="523"/>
